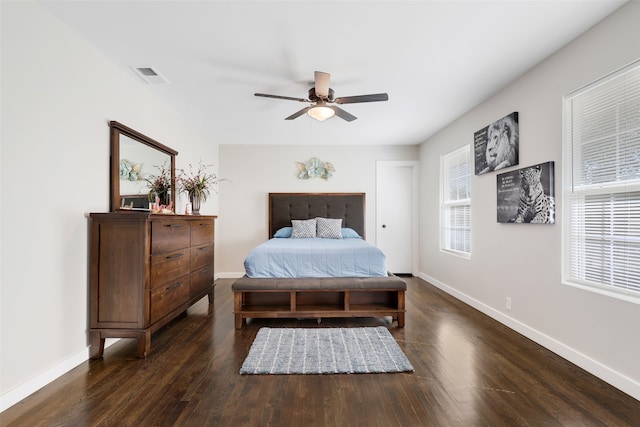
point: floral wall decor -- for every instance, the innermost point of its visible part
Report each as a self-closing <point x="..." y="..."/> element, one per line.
<point x="315" y="168"/>
<point x="130" y="171"/>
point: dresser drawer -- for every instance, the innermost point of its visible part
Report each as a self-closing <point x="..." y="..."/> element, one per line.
<point x="169" y="235"/>
<point x="201" y="232"/>
<point x="169" y="297"/>
<point x="201" y="280"/>
<point x="201" y="256"/>
<point x="167" y="266"/>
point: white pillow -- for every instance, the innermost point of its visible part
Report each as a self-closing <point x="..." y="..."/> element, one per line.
<point x="328" y="228"/>
<point x="303" y="228"/>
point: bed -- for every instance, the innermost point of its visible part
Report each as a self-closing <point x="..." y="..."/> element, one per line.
<point x="312" y="292"/>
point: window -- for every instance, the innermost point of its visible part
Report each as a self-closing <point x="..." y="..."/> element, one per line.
<point x="601" y="188"/>
<point x="455" y="199"/>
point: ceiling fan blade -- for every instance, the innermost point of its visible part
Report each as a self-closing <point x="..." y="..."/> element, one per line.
<point x="322" y="84"/>
<point x="281" y="97"/>
<point x="299" y="113"/>
<point x="362" y="98"/>
<point x="343" y="114"/>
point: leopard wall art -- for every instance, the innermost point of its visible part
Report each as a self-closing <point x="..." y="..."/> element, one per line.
<point x="534" y="205"/>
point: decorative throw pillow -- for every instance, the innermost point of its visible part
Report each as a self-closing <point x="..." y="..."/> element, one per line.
<point x="350" y="233"/>
<point x="303" y="228"/>
<point x="329" y="228"/>
<point x="283" y="233"/>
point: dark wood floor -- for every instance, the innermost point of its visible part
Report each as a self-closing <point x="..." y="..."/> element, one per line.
<point x="469" y="371"/>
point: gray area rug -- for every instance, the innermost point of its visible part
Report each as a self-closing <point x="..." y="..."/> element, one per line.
<point x="325" y="351"/>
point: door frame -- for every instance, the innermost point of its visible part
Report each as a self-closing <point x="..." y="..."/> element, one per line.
<point x="414" y="165"/>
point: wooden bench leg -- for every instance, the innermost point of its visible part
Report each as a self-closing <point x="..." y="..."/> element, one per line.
<point x="237" y="309"/>
<point x="239" y="321"/>
<point x="401" y="320"/>
<point x="401" y="309"/>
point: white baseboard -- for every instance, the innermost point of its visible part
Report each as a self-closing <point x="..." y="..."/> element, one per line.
<point x="605" y="373"/>
<point x="26" y="389"/>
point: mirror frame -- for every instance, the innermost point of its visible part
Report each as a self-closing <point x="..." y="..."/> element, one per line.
<point x="117" y="129"/>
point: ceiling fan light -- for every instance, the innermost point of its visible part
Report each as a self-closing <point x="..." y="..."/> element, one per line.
<point x="321" y="113"/>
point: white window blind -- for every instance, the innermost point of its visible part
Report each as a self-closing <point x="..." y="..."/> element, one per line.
<point x="456" y="202"/>
<point x="601" y="190"/>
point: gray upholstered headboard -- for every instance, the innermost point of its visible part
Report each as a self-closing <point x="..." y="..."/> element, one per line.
<point x="283" y="207"/>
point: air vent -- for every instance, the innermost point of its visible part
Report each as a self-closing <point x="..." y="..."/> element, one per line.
<point x="150" y="75"/>
<point x="147" y="71"/>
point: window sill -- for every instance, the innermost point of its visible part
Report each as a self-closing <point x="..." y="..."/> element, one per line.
<point x="459" y="254"/>
<point x="621" y="295"/>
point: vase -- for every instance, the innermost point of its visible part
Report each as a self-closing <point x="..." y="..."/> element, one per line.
<point x="195" y="203"/>
<point x="152" y="199"/>
<point x="165" y="198"/>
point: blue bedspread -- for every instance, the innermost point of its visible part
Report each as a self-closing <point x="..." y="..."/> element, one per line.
<point x="297" y="258"/>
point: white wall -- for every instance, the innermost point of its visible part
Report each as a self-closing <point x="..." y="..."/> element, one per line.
<point x="58" y="95"/>
<point x="256" y="170"/>
<point x="523" y="262"/>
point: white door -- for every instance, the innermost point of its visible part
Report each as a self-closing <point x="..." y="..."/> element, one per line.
<point x="396" y="214"/>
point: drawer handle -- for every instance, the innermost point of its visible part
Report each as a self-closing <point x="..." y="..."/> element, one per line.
<point x="174" y="286"/>
<point x="204" y="270"/>
<point x="204" y="248"/>
<point x="174" y="256"/>
<point x="175" y="225"/>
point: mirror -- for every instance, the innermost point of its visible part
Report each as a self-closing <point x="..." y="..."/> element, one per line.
<point x="134" y="159"/>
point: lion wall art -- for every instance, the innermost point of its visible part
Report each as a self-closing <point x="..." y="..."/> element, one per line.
<point x="496" y="146"/>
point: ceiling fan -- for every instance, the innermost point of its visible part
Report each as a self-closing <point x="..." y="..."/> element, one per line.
<point x="321" y="95"/>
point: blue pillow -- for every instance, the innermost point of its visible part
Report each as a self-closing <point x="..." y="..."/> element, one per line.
<point x="283" y="233"/>
<point x="350" y="233"/>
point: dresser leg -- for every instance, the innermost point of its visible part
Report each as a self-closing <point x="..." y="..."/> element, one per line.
<point x="96" y="345"/>
<point x="210" y="294"/>
<point x="144" y="344"/>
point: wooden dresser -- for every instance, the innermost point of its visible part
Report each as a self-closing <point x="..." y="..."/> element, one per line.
<point x="146" y="269"/>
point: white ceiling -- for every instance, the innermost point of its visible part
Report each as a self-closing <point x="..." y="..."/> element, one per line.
<point x="435" y="59"/>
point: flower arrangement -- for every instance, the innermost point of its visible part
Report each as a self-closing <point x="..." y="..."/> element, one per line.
<point x="160" y="185"/>
<point x="197" y="184"/>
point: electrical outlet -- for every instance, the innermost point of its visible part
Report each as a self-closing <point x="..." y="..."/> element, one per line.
<point x="508" y="303"/>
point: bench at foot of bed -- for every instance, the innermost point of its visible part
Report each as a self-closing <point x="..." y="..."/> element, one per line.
<point x="316" y="298"/>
